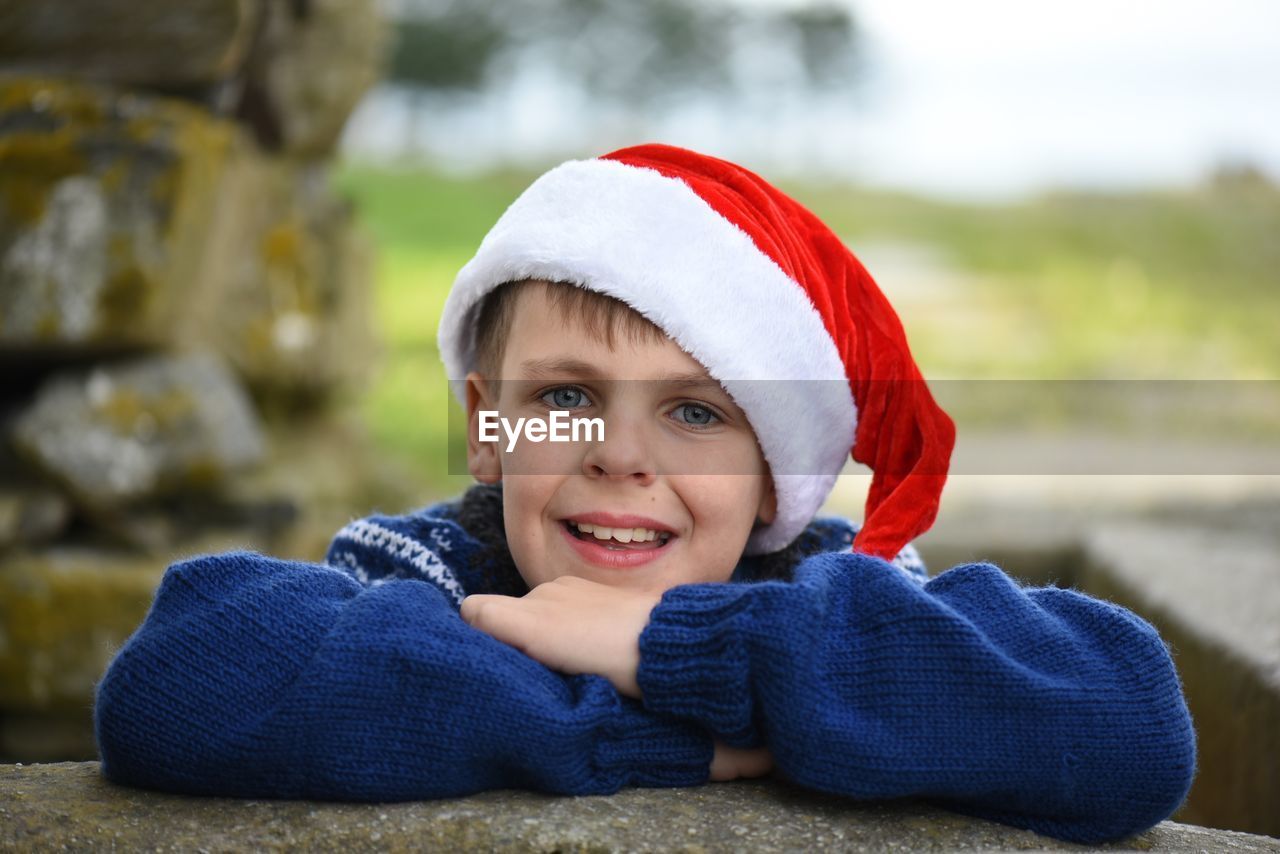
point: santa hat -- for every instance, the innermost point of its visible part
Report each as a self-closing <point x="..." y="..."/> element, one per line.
<point x="757" y="289"/>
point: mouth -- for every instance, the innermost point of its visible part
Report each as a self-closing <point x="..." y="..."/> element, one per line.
<point x="617" y="539"/>
<point x="615" y="547"/>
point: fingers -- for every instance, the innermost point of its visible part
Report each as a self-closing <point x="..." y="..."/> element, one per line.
<point x="563" y="588"/>
<point x="503" y="617"/>
<point x="720" y="765"/>
<point x="572" y="625"/>
<point x="756" y="762"/>
<point x="471" y="606"/>
<point x="730" y="763"/>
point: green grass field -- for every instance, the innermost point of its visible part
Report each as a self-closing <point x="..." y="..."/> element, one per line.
<point x="1170" y="285"/>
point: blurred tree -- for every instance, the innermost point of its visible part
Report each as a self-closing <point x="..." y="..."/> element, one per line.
<point x="446" y="46"/>
<point x="443" y="49"/>
<point x="640" y="53"/>
<point x="643" y="55"/>
<point x="826" y="37"/>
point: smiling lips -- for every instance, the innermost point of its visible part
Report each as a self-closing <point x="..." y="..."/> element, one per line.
<point x="636" y="538"/>
<point x="629" y="541"/>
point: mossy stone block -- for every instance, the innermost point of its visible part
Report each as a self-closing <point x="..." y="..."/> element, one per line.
<point x="156" y="44"/>
<point x="106" y="200"/>
<point x="128" y="431"/>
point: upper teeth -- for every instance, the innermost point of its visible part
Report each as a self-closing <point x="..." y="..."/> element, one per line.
<point x="622" y="535"/>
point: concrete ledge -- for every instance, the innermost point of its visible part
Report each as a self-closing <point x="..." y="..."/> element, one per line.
<point x="69" y="805"/>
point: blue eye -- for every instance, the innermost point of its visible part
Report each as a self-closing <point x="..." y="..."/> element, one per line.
<point x="565" y="397"/>
<point x="697" y="416"/>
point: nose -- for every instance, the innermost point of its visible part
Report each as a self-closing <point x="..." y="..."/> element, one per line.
<point x="624" y="452"/>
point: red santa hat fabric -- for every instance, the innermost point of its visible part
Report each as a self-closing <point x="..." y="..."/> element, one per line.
<point x="766" y="297"/>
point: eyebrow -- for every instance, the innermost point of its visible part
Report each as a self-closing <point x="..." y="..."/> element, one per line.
<point x="579" y="368"/>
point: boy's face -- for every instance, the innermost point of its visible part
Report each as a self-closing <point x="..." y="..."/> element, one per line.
<point x="679" y="459"/>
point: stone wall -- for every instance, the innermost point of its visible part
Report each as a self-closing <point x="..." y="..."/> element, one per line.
<point x="52" y="807"/>
<point x="184" y="307"/>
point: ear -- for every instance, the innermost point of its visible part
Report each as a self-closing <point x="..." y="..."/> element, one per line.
<point x="482" y="457"/>
<point x="768" y="509"/>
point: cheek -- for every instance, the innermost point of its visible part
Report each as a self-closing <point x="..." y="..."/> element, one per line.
<point x="519" y="514"/>
<point x="524" y="506"/>
<point x="723" y="510"/>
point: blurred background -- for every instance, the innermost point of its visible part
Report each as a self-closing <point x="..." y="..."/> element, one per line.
<point x="1068" y="192"/>
<point x="227" y="229"/>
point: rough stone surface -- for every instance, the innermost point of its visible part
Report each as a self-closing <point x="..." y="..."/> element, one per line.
<point x="163" y="190"/>
<point x="30" y="516"/>
<point x="158" y="44"/>
<point x="1214" y="595"/>
<point x="291" y="308"/>
<point x="49" y="806"/>
<point x="61" y="735"/>
<point x="106" y="199"/>
<point x="142" y="428"/>
<point x="312" y="62"/>
<point x="63" y="614"/>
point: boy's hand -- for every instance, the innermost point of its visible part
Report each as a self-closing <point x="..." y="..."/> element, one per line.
<point x="730" y="763"/>
<point x="571" y="625"/>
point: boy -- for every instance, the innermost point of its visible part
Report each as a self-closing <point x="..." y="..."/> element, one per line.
<point x="567" y="626"/>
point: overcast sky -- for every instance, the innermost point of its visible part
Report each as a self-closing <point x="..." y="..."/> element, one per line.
<point x="985" y="98"/>
<point x="1000" y="95"/>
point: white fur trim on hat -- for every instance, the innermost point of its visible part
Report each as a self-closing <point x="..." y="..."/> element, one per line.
<point x="652" y="242"/>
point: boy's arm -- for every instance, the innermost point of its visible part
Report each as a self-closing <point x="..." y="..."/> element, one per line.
<point x="259" y="677"/>
<point x="1041" y="708"/>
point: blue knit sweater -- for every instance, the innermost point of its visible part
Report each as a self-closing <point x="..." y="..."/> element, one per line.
<point x="357" y="679"/>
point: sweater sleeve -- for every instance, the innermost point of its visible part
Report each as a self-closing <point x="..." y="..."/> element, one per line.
<point x="1041" y="708"/>
<point x="258" y="677"/>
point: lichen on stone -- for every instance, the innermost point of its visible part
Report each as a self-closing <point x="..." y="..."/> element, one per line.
<point x="140" y="429"/>
<point x="105" y="199"/>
